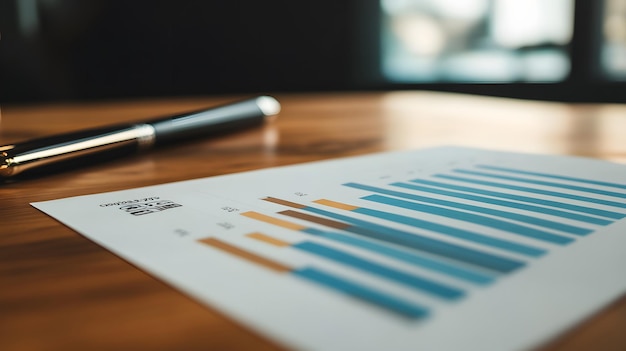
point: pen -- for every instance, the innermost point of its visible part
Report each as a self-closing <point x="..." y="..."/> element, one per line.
<point x="117" y="141"/>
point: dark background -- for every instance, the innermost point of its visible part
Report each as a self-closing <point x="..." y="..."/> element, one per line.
<point x="107" y="49"/>
<point x="98" y="49"/>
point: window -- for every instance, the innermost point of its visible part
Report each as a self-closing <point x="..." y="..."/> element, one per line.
<point x="478" y="41"/>
<point x="613" y="50"/>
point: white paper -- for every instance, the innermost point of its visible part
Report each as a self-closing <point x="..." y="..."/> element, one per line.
<point x="487" y="306"/>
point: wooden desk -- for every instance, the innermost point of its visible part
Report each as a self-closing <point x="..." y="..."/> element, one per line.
<point x="60" y="291"/>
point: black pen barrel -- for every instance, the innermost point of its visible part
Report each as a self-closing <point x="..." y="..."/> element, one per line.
<point x="217" y="120"/>
<point x="114" y="141"/>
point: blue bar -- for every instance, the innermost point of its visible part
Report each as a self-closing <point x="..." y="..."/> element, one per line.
<point x="460" y="233"/>
<point x="544" y="183"/>
<point x="408" y="257"/>
<point x="527" y="199"/>
<point x="493" y="212"/>
<point x="459" y="215"/>
<point x="389" y="302"/>
<point x="413" y="281"/>
<point x="418" y="242"/>
<point x="538" y="174"/>
<point x="536" y="191"/>
<point x="505" y="203"/>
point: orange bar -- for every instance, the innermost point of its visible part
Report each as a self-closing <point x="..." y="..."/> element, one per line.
<point x="246" y="255"/>
<point x="315" y="219"/>
<point x="335" y="204"/>
<point x="283" y="202"/>
<point x="268" y="239"/>
<point x="272" y="220"/>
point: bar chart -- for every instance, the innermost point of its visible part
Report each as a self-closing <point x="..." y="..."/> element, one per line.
<point x="548" y="211"/>
<point x="446" y="248"/>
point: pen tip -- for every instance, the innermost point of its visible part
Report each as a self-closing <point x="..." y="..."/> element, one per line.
<point x="5" y="165"/>
<point x="268" y="105"/>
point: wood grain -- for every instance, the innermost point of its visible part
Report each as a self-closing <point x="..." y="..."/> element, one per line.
<point x="60" y="291"/>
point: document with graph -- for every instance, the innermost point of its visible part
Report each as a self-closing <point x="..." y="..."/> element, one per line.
<point x="446" y="248"/>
